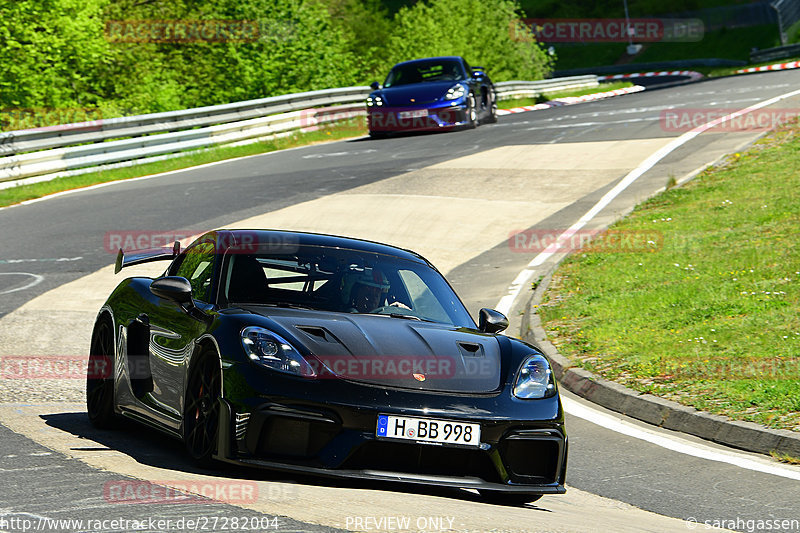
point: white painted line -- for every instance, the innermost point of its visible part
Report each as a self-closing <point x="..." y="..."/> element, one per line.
<point x="675" y="444"/>
<point x="588" y="124"/>
<point x="45" y="260"/>
<point x="338" y="154"/>
<point x="37" y="279"/>
<point x="506" y="303"/>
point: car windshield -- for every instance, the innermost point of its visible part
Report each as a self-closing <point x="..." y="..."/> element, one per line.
<point x="421" y="71"/>
<point x="340" y="280"/>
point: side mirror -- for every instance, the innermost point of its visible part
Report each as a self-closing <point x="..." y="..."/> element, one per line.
<point x="477" y="74"/>
<point x="491" y="321"/>
<point x="173" y="288"/>
<point x="375" y="85"/>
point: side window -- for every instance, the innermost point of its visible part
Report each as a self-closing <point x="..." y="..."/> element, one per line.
<point x="198" y="267"/>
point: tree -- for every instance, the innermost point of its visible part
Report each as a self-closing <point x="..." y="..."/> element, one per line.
<point x="485" y="32"/>
<point x="51" y="53"/>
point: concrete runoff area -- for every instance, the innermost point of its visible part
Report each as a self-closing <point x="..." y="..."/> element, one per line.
<point x="443" y="213"/>
<point x="415" y="211"/>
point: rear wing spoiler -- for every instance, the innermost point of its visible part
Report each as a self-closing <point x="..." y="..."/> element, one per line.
<point x="146" y="256"/>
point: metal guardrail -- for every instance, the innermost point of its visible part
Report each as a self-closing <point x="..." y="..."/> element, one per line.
<point x="46" y="153"/>
<point x="100" y="130"/>
<point x="682" y="64"/>
<point x="788" y="12"/>
<point x="531" y="89"/>
<point x="771" y="54"/>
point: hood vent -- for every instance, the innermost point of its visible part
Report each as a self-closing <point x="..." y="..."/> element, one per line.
<point x="317" y="333"/>
<point x="470" y="349"/>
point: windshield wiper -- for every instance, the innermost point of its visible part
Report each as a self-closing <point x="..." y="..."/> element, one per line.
<point x="407" y="317"/>
<point x="293" y="306"/>
<point x="284" y="305"/>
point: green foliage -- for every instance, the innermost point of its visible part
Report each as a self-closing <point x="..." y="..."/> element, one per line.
<point x="482" y="31"/>
<point x="365" y="23"/>
<point x="297" y="49"/>
<point x="51" y="53"/>
<point x="614" y="8"/>
<point x="724" y="43"/>
<point x="63" y="53"/>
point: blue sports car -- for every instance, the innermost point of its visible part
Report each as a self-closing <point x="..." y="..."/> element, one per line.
<point x="432" y="94"/>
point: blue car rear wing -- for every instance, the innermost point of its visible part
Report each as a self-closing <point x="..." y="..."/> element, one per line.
<point x="146" y="256"/>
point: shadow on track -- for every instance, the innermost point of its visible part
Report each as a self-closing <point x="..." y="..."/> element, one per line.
<point x="150" y="447"/>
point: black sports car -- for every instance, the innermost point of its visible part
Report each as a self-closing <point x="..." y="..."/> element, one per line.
<point x="326" y="355"/>
<point x="432" y="94"/>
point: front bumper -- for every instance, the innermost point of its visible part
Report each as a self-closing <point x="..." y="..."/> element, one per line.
<point x="437" y="117"/>
<point x="338" y="439"/>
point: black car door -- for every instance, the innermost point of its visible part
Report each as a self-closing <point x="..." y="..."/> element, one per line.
<point x="173" y="332"/>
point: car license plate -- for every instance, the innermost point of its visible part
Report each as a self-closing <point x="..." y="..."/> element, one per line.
<point x="429" y="430"/>
<point x="417" y="113"/>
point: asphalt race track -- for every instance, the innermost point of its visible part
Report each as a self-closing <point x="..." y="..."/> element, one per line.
<point x="453" y="197"/>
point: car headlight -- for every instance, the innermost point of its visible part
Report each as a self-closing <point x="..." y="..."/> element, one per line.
<point x="374" y="101"/>
<point x="270" y="350"/>
<point x="534" y="379"/>
<point x="455" y="92"/>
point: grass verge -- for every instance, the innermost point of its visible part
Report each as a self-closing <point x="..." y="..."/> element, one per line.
<point x="707" y="316"/>
<point x="14" y="195"/>
<point x="520" y="102"/>
<point x="785" y="458"/>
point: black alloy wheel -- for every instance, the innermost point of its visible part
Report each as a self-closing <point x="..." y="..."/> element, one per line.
<point x="201" y="412"/>
<point x="100" y="376"/>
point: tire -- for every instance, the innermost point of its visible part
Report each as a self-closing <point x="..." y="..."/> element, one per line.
<point x="201" y="411"/>
<point x="100" y="376"/>
<point x="492" y="118"/>
<point x="472" y="113"/>
<point x="508" y="498"/>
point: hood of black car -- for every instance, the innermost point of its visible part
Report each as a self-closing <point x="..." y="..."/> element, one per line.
<point x="394" y="352"/>
<point x="421" y="93"/>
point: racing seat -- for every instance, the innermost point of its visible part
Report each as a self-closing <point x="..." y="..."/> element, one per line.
<point x="248" y="282"/>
